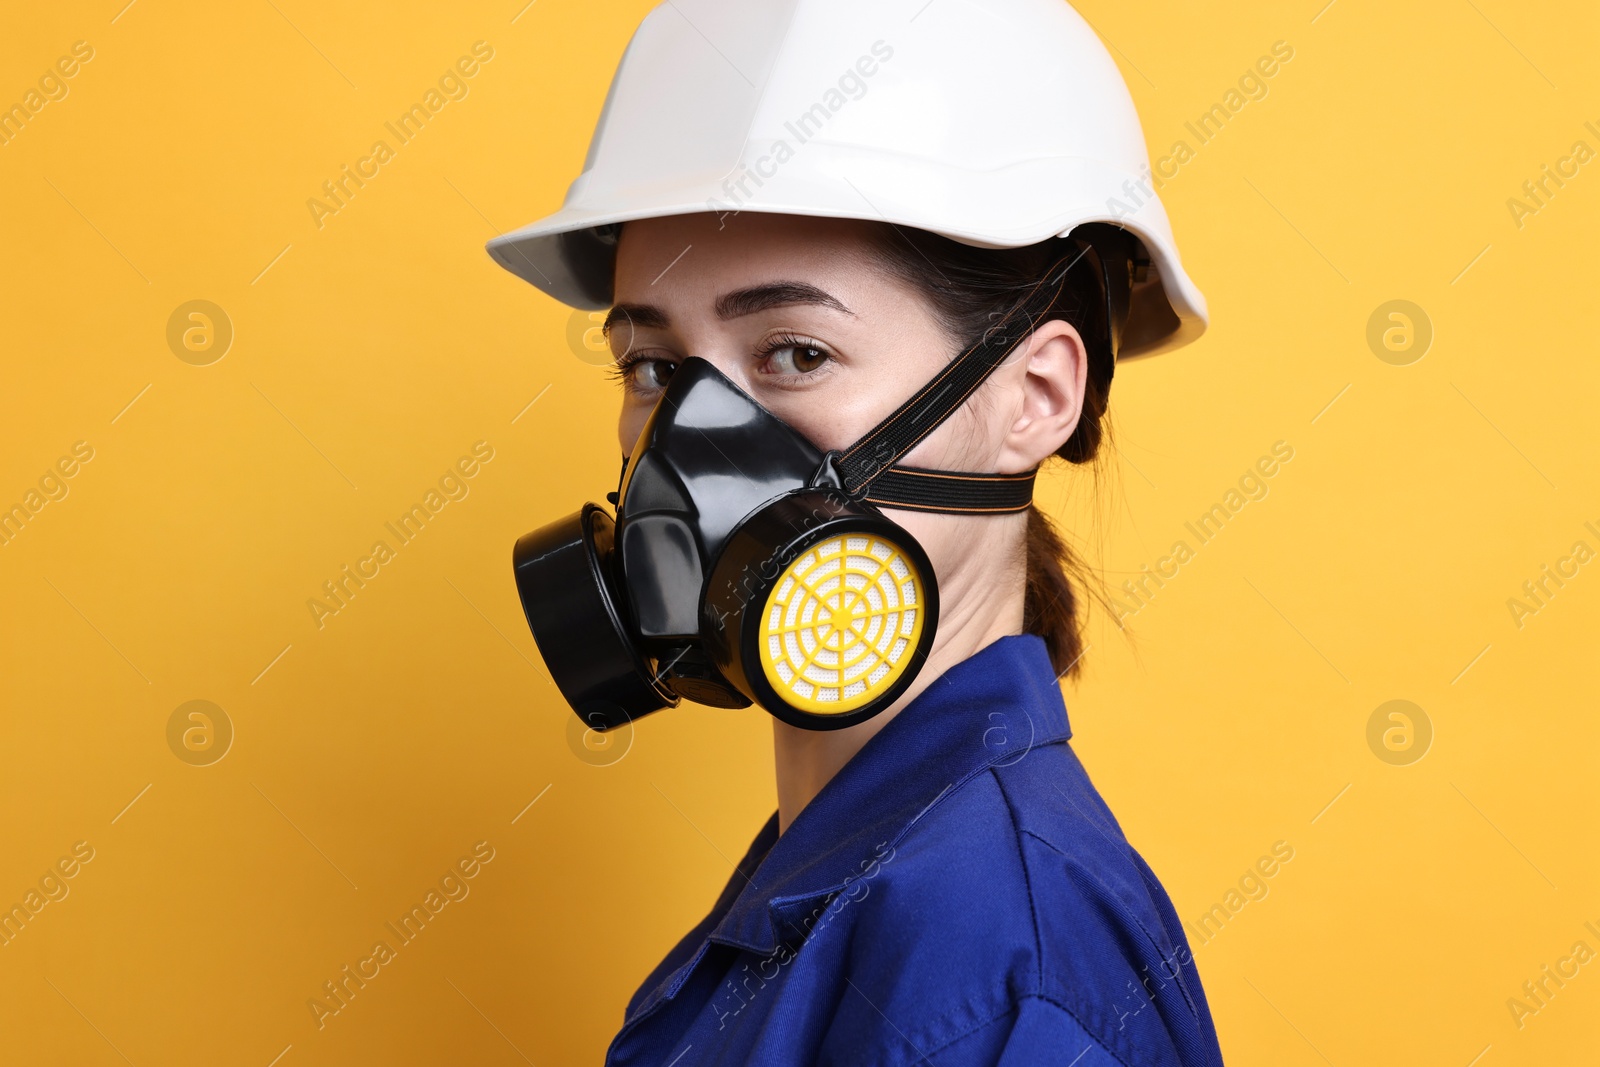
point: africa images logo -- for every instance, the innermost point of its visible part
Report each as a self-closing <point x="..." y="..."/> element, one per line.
<point x="339" y="991"/>
<point x="851" y="85"/>
<point x="339" y="191"/>
<point x="453" y="485"/>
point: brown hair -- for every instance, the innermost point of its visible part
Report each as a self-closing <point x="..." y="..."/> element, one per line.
<point x="968" y="288"/>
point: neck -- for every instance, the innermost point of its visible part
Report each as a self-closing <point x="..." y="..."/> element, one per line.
<point x="972" y="618"/>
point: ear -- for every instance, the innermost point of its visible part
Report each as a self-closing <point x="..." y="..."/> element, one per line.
<point x="1054" y="364"/>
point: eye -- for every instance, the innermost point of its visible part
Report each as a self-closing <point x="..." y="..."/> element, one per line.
<point x="793" y="355"/>
<point x="640" y="374"/>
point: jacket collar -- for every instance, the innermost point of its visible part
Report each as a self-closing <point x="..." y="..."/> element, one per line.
<point x="987" y="710"/>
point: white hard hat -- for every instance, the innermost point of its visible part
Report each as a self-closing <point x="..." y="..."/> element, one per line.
<point x="996" y="123"/>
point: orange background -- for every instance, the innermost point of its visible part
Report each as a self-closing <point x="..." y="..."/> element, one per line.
<point x="371" y="754"/>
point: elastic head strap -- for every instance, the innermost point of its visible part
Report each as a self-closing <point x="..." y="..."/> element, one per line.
<point x="864" y="462"/>
<point x="952" y="492"/>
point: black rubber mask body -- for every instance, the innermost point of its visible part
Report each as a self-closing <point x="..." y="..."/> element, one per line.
<point x="708" y="456"/>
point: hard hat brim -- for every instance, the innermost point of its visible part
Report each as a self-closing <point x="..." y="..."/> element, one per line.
<point x="565" y="258"/>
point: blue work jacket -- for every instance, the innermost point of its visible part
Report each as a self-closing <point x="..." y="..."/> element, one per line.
<point x="957" y="894"/>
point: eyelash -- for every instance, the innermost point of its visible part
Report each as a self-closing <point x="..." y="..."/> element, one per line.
<point x="622" y="370"/>
<point x="789" y="340"/>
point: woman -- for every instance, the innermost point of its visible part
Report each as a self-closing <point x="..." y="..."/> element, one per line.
<point x="895" y="322"/>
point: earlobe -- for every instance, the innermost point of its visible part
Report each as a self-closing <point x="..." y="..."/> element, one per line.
<point x="1055" y="367"/>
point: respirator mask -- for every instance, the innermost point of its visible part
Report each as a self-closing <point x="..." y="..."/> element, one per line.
<point x="745" y="565"/>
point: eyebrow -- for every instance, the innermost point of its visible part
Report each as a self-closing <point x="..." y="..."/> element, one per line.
<point x="733" y="305"/>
